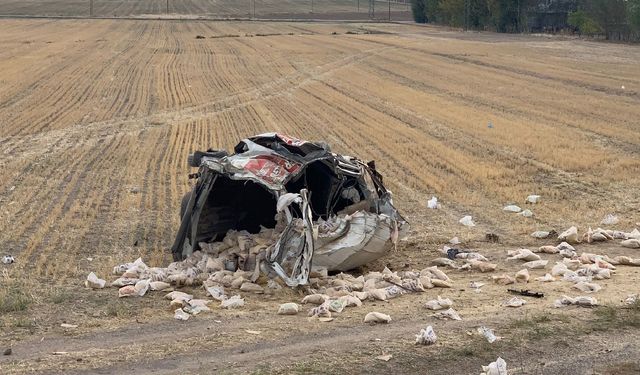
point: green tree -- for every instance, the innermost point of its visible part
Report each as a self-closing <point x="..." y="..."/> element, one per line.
<point x="418" y="10"/>
<point x="585" y="24"/>
<point x="453" y="12"/>
<point x="633" y="11"/>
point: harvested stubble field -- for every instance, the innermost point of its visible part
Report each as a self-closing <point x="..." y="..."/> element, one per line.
<point x="279" y="9"/>
<point x="97" y="118"/>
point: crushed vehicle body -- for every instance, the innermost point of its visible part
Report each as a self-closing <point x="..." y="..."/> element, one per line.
<point x="279" y="206"/>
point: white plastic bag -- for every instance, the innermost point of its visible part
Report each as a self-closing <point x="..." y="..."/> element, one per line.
<point x="438" y="304"/>
<point x="533" y="199"/>
<point x="433" y="203"/>
<point x="526" y="213"/>
<point x="179" y="314"/>
<point x="94" y="282"/>
<point x="512" y="208"/>
<point x="467" y="221"/>
<point x="499" y="367"/>
<point x="233" y="302"/>
<point x="426" y="336"/>
<point x="610" y="219"/>
<point x="377" y="317"/>
<point x="288" y="309"/>
<point x="488" y="334"/>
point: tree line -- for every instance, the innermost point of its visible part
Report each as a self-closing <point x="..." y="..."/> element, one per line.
<point x="609" y="19"/>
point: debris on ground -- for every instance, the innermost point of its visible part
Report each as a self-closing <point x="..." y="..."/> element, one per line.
<point x="476" y="286"/>
<point x="433" y="203"/>
<point x="179" y="314"/>
<point x="587" y="287"/>
<point x="632" y="299"/>
<point x="540" y="234"/>
<point x="66" y="325"/>
<point x="546" y="278"/>
<point x="514" y="302"/>
<point x="8" y="259"/>
<point x="467" y="221"/>
<point x="522" y="254"/>
<point x="488" y="334"/>
<point x="503" y="279"/>
<point x="7" y="351"/>
<point x="532" y="199"/>
<point x="526" y="213"/>
<point x="438" y="304"/>
<point x="631" y="243"/>
<point x="385" y="357"/>
<point x="94" y="282"/>
<point x="499" y="367"/>
<point x="610" y="219"/>
<point x="570" y="235"/>
<point x="512" y="208"/>
<point x="526" y="293"/>
<point x="522" y="276"/>
<point x="426" y="336"/>
<point x="578" y="301"/>
<point x="492" y="237"/>
<point x="233" y="303"/>
<point x="448" y="314"/>
<point x="536" y="264"/>
<point x="377" y="317"/>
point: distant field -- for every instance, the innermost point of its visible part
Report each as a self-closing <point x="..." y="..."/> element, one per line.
<point x="325" y="9"/>
<point x="97" y="118"/>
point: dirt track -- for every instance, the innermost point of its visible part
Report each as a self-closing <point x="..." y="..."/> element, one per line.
<point x="98" y="117"/>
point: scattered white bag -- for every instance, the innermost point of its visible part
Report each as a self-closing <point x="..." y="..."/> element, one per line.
<point x="488" y="334"/>
<point x="454" y="241"/>
<point x="448" y="314"/>
<point x="426" y="336"/>
<point x="514" y="302"/>
<point x="233" y="302"/>
<point x="178" y="295"/>
<point x="8" y="259"/>
<point x="512" y="208"/>
<point x="159" y="285"/>
<point x="499" y="367"/>
<point x="587" y="287"/>
<point x="288" y="309"/>
<point x="438" y="304"/>
<point x="526" y="213"/>
<point x="533" y="199"/>
<point x="540" y="234"/>
<point x="377" y="317"/>
<point x="536" y="264"/>
<point x="141" y="287"/>
<point x="94" y="282"/>
<point x="522" y="276"/>
<point x="433" y="203"/>
<point x="315" y="299"/>
<point x="546" y="278"/>
<point x="578" y="301"/>
<point x="570" y="235"/>
<point x="179" y="314"/>
<point x="522" y="254"/>
<point x="632" y="299"/>
<point x="610" y="219"/>
<point x="467" y="221"/>
<point x="216" y="292"/>
<point x="631" y="243"/>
